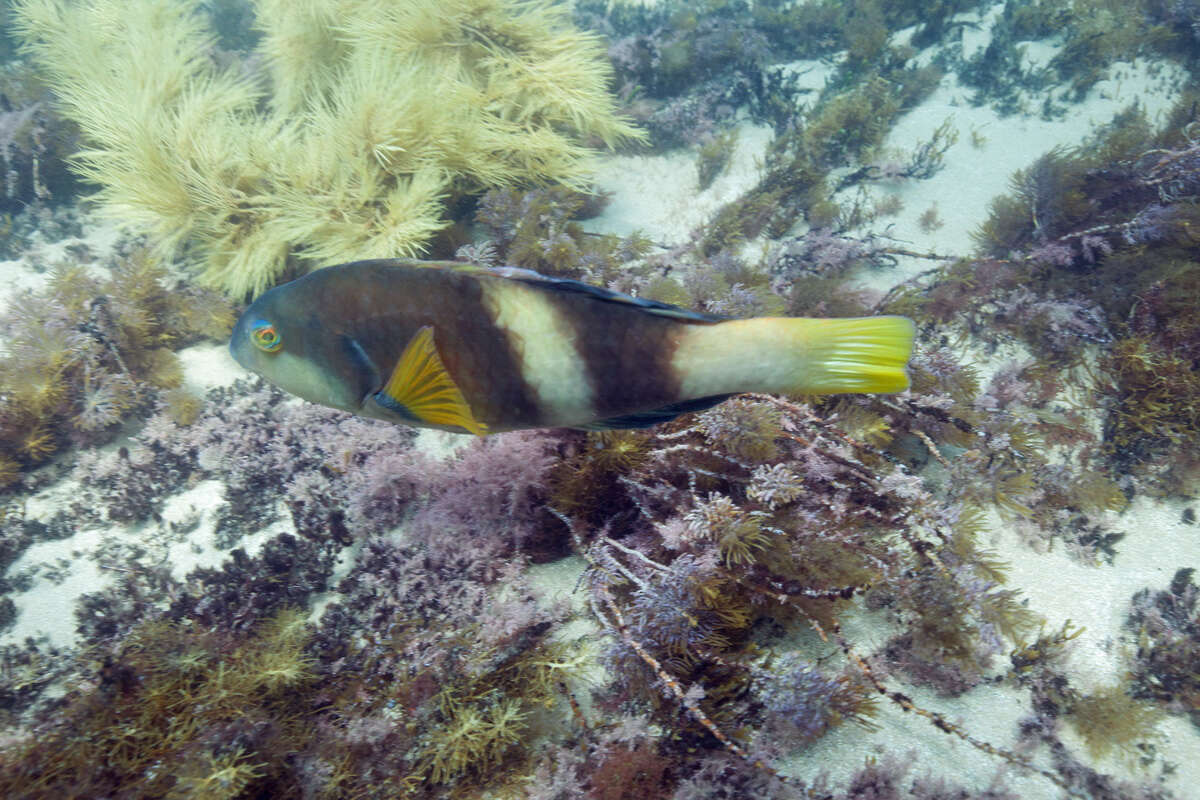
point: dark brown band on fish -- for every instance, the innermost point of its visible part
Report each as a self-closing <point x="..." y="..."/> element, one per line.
<point x="385" y="303"/>
<point x="626" y="353"/>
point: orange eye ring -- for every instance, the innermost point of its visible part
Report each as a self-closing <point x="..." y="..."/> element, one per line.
<point x="265" y="337"/>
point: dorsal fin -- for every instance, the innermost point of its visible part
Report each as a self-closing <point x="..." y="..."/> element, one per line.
<point x="600" y="293"/>
<point x="421" y="387"/>
<point x="554" y="284"/>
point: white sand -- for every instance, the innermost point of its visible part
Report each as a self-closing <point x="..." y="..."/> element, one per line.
<point x="660" y="195"/>
<point x="209" y="366"/>
<point x="976" y="172"/>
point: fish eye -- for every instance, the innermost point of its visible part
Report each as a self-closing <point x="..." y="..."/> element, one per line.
<point x="265" y="337"/>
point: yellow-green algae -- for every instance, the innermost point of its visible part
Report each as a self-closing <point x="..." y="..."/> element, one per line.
<point x="364" y="118"/>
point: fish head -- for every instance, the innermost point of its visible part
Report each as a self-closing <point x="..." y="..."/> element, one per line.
<point x="283" y="338"/>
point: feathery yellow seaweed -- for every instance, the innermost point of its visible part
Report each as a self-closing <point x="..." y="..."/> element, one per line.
<point x="362" y="117"/>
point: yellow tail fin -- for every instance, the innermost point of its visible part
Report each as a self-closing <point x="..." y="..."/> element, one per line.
<point x="794" y="355"/>
<point x="856" y="354"/>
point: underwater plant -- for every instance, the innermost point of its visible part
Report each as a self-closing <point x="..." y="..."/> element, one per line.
<point x="541" y="229"/>
<point x="1166" y="627"/>
<point x="87" y="351"/>
<point x="1090" y="253"/>
<point x="142" y="712"/>
<point x="751" y="583"/>
<point x="363" y="120"/>
<point x="398" y="690"/>
<point x="35" y="144"/>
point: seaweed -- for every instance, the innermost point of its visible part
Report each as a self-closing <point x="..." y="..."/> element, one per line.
<point x="1090" y="252"/>
<point x="1165" y="626"/>
<point x="349" y="147"/>
<point x="846" y="127"/>
<point x="1090" y="37"/>
<point x="1110" y="720"/>
<point x="172" y="694"/>
<point x="714" y="157"/>
<point x="87" y="352"/>
<point x="540" y="229"/>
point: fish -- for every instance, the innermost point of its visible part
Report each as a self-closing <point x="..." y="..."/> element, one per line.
<point x="481" y="350"/>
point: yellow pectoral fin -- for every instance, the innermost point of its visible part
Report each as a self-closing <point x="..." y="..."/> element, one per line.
<point x="422" y="386"/>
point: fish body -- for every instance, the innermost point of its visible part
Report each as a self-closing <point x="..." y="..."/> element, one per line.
<point x="482" y="350"/>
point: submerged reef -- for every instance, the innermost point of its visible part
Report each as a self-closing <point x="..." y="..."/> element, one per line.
<point x="711" y="544"/>
<point x="1094" y="246"/>
<point x="695" y="580"/>
<point x="295" y="602"/>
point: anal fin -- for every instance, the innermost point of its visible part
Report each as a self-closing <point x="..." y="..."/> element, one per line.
<point x="420" y="387"/>
<point x="647" y="419"/>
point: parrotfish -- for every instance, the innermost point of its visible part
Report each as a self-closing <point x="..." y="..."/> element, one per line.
<point x="482" y="350"/>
